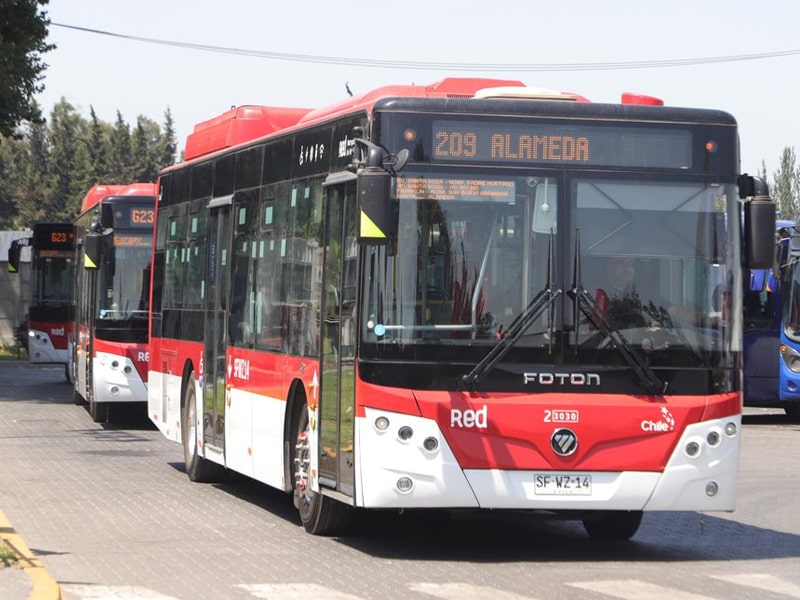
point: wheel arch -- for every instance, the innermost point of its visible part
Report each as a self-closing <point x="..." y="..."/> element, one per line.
<point x="295" y="401"/>
<point x="188" y="369"/>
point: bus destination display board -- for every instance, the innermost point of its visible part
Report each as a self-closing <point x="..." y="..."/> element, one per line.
<point x="135" y="217"/>
<point x="53" y="236"/>
<point x="550" y="143"/>
<point x="443" y="188"/>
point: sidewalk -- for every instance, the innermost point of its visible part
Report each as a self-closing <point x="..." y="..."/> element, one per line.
<point x="27" y="579"/>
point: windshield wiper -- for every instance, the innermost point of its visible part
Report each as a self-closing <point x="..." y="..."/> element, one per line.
<point x="542" y="301"/>
<point x="584" y="303"/>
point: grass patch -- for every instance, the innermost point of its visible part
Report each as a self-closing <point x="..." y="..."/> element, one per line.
<point x="7" y="555"/>
<point x="12" y="352"/>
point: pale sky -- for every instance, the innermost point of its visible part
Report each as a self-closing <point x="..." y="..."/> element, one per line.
<point x="139" y="78"/>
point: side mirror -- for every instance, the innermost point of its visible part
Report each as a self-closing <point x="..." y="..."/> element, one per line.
<point x="98" y="247"/>
<point x="14" y="253"/>
<point x="378" y="215"/>
<point x="759" y="234"/>
<point x="759" y="223"/>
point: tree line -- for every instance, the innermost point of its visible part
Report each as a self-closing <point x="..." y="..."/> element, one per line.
<point x="784" y="185"/>
<point x="46" y="168"/>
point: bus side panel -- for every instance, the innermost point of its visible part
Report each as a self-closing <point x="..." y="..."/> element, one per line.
<point x="164" y="388"/>
<point x="256" y="411"/>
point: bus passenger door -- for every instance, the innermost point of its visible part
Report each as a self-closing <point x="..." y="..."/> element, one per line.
<point x="762" y="337"/>
<point x="216" y="341"/>
<point x="337" y="353"/>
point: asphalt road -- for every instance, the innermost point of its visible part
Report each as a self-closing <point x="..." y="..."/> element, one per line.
<point x="111" y="515"/>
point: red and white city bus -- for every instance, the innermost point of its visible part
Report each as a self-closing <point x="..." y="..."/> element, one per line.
<point x="401" y="302"/>
<point x="114" y="246"/>
<point x="50" y="311"/>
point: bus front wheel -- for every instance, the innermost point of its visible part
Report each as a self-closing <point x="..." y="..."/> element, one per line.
<point x="613" y="524"/>
<point x="99" y="411"/>
<point x="319" y="514"/>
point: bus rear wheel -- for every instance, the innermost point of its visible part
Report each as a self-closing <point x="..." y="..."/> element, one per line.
<point x="613" y="524"/>
<point x="197" y="467"/>
<point x="319" y="514"/>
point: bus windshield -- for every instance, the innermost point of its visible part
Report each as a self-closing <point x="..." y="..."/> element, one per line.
<point x="124" y="281"/>
<point x="52" y="277"/>
<point x="472" y="254"/>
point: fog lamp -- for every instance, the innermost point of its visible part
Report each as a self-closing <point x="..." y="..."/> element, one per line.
<point x="405" y="433"/>
<point x="430" y="444"/>
<point x="404" y="485"/>
<point x="692" y="449"/>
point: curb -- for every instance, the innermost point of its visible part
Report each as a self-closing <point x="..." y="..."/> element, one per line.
<point x="44" y="586"/>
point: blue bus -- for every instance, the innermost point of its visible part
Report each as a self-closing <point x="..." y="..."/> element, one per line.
<point x="772" y="328"/>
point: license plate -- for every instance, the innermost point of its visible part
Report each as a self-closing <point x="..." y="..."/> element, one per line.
<point x="562" y="484"/>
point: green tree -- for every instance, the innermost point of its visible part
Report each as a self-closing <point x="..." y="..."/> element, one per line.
<point x="99" y="147"/>
<point x="70" y="164"/>
<point x="23" y="31"/>
<point x="121" y="171"/>
<point x="11" y="156"/>
<point x="168" y="146"/>
<point x="145" y="150"/>
<point x="34" y="185"/>
<point x="785" y="188"/>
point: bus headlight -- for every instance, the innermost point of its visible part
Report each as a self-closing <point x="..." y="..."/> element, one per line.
<point x="791" y="358"/>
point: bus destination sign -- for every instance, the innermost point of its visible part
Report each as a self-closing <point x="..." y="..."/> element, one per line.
<point x="549" y="143"/>
<point x="134" y="217"/>
<point x="455" y="188"/>
<point x="54" y="236"/>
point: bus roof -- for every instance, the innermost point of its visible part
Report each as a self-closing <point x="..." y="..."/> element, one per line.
<point x="245" y="123"/>
<point x="100" y="191"/>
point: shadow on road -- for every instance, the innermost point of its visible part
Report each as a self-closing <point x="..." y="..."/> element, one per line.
<point x="520" y="536"/>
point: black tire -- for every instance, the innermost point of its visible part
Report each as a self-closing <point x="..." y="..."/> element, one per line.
<point x="319" y="514"/>
<point x="613" y="524"/>
<point x="793" y="411"/>
<point x="99" y="411"/>
<point x="197" y="467"/>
